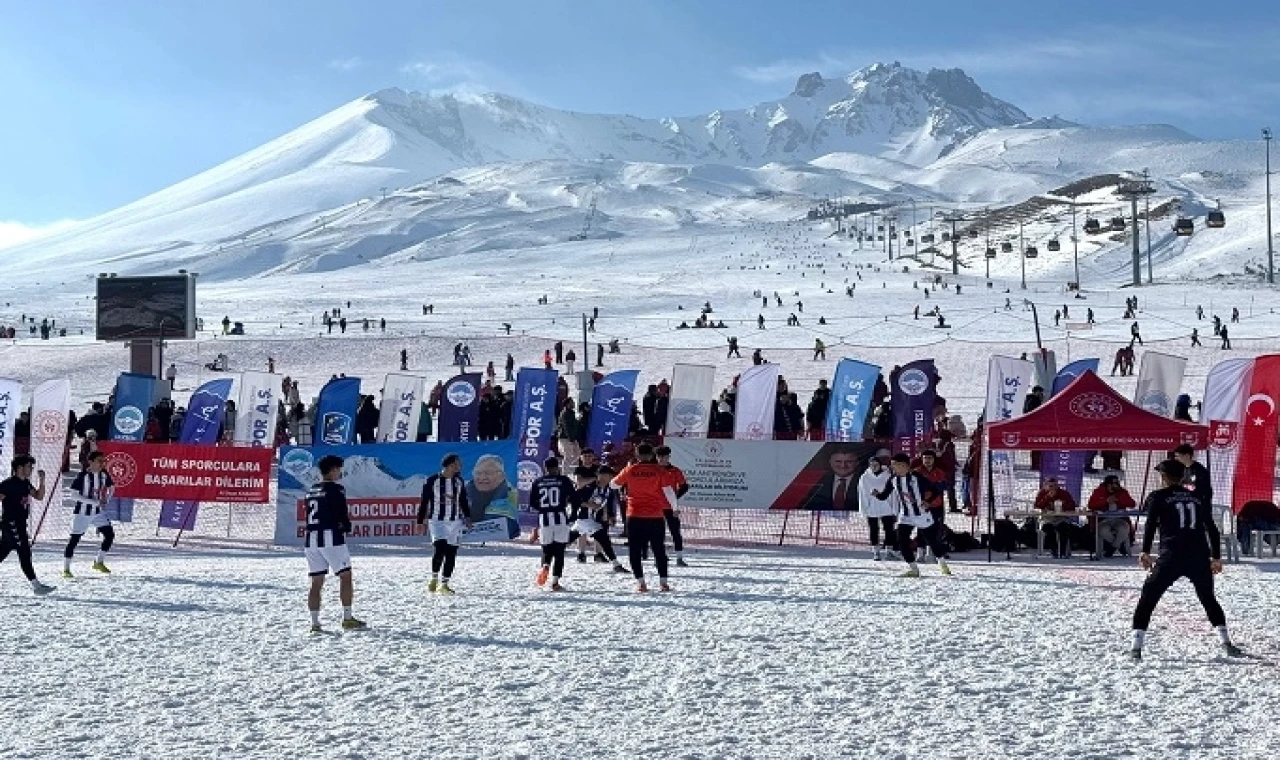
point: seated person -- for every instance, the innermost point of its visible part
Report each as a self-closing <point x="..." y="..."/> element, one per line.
<point x="1053" y="499"/>
<point x="1255" y="515"/>
<point x="1116" y="532"/>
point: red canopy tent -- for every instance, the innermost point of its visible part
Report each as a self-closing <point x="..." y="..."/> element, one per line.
<point x="1090" y="415"/>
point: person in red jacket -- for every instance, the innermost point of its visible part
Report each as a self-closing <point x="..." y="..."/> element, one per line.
<point x="927" y="466"/>
<point x="945" y="446"/>
<point x="1053" y="499"/>
<point x="1117" y="532"/>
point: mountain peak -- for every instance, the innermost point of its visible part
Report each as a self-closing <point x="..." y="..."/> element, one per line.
<point x="808" y="85"/>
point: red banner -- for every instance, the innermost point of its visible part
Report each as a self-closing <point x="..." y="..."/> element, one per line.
<point x="238" y="474"/>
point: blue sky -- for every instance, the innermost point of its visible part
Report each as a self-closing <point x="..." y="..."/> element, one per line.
<point x="104" y="102"/>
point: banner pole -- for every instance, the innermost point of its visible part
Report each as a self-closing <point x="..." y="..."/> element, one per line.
<point x="817" y="533"/>
<point x="783" y="535"/>
<point x="991" y="502"/>
<point x="45" y="511"/>
<point x="186" y="514"/>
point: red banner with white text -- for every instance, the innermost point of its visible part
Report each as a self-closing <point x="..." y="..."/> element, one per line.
<point x="236" y="474"/>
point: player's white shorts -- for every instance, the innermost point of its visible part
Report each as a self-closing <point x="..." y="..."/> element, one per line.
<point x="324" y="559"/>
<point x="553" y="534"/>
<point x="921" y="521"/>
<point x="445" y="530"/>
<point x="82" y="523"/>
<point x="586" y="527"/>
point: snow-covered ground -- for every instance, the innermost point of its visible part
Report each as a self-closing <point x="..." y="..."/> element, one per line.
<point x="203" y="652"/>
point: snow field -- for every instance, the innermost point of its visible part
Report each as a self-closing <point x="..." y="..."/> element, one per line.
<point x="203" y="652"/>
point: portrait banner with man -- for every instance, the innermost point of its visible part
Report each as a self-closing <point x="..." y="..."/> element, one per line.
<point x="730" y="474"/>
<point x="384" y="484"/>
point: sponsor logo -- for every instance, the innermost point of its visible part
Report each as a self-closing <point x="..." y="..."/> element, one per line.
<point x="49" y="426"/>
<point x="688" y="414"/>
<point x="526" y="473"/>
<point x="297" y="463"/>
<point x="1155" y="401"/>
<point x="129" y="419"/>
<point x="1191" y="439"/>
<point x="336" y="429"/>
<point x="913" y="382"/>
<point x="714" y="449"/>
<point x="121" y="467"/>
<point x="1095" y="406"/>
<point x="1011" y="439"/>
<point x="460" y="393"/>
<point x="1222" y="434"/>
<point x="755" y="431"/>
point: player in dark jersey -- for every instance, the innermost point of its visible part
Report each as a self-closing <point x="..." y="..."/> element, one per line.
<point x="672" y="516"/>
<point x="595" y="504"/>
<point x="327" y="525"/>
<point x="551" y="496"/>
<point x="1189" y="548"/>
<point x="15" y="508"/>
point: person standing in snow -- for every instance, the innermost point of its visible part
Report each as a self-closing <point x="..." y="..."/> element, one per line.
<point x="91" y="489"/>
<point x="328" y="523"/>
<point x="879" y="512"/>
<point x="445" y="509"/>
<point x="909" y="492"/>
<point x="671" y="515"/>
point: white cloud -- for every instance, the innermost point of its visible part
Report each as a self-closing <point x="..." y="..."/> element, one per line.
<point x="13" y="233"/>
<point x="346" y="64"/>
<point x="448" y="72"/>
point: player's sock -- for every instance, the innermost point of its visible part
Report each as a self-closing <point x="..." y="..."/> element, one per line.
<point x="102" y="557"/>
<point x="346" y="613"/>
<point x="66" y="564"/>
<point x="1223" y="636"/>
<point x="1139" y="638"/>
<point x="315" y="617"/>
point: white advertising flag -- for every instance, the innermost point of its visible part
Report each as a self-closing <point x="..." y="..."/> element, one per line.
<point x="757" y="398"/>
<point x="10" y="408"/>
<point x="401" y="408"/>
<point x="258" y="408"/>
<point x="50" y="407"/>
<point x="1159" y="382"/>
<point x="693" y="388"/>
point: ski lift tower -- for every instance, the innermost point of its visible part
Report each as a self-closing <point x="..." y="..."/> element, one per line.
<point x="954" y="218"/>
<point x="1131" y="190"/>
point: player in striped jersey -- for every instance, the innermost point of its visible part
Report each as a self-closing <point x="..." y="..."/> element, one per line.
<point x="909" y="492"/>
<point x="446" y="511"/>
<point x="671" y="516"/>
<point x="595" y="504"/>
<point x="89" y="493"/>
<point x="551" y="496"/>
<point x="327" y="526"/>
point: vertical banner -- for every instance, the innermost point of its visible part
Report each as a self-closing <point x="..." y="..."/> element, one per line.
<point x="1223" y="411"/>
<point x="132" y="401"/>
<point x="1068" y="466"/>
<point x="914" y="390"/>
<point x="10" y="408"/>
<point x="693" y="389"/>
<point x="201" y="426"/>
<point x="1008" y="383"/>
<point x="611" y="401"/>
<point x="460" y="409"/>
<point x="1159" y="382"/>
<point x="1256" y="465"/>
<point x="535" y="419"/>
<point x="401" y="408"/>
<point x="852" y="392"/>
<point x="257" y="409"/>
<point x="757" y="400"/>
<point x="50" y="405"/>
<point x="336" y="412"/>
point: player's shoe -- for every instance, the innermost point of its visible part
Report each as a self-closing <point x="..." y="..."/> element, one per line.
<point x="443" y="588"/>
<point x="877" y="556"/>
<point x="642" y="588"/>
<point x="67" y="574"/>
<point x="664" y="587"/>
<point x="943" y="567"/>
<point x="1135" y="655"/>
<point x="558" y="587"/>
<point x="353" y="624"/>
<point x="910" y="572"/>
<point x="893" y="555"/>
<point x="1231" y="650"/>
<point x="101" y="567"/>
<point x="433" y="585"/>
<point x="681" y="563"/>
<point x="315" y="628"/>
<point x="601" y="559"/>
<point x="582" y="559"/>
<point x="620" y="569"/>
<point x="543" y="574"/>
<point x="42" y="589"/>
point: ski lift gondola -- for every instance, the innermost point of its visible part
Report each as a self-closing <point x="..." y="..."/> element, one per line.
<point x="973" y="234"/>
<point x="1032" y="252"/>
<point x="1184" y="227"/>
<point x="991" y="253"/>
<point x="927" y="238"/>
<point x="1006" y="247"/>
<point x="1117" y="224"/>
<point x="946" y="237"/>
<point x="1092" y="226"/>
<point x="1216" y="219"/>
<point x="911" y="242"/>
<point x="1054" y="245"/>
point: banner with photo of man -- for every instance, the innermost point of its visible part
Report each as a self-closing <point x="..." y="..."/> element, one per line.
<point x="812" y="475"/>
<point x="384" y="484"/>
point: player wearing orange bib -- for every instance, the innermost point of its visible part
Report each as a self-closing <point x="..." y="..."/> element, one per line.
<point x="650" y="489"/>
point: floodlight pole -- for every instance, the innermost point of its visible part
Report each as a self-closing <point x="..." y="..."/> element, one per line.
<point x="1023" y="245"/>
<point x="1146" y="216"/>
<point x="1075" y="243"/>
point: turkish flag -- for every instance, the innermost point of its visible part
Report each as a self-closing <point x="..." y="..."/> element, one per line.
<point x="1259" y="426"/>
